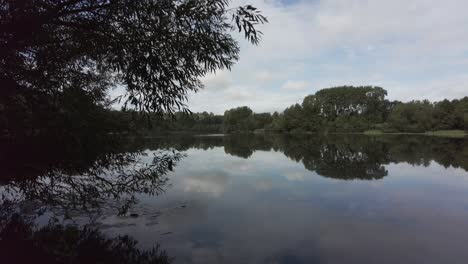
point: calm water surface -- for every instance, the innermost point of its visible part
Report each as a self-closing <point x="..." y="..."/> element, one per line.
<point x="303" y="199"/>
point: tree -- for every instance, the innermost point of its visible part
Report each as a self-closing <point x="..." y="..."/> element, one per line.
<point x="367" y="101"/>
<point x="238" y="119"/>
<point x="444" y="115"/>
<point x="344" y="109"/>
<point x="277" y="123"/>
<point x="459" y="113"/>
<point x="156" y="49"/>
<point x="312" y="112"/>
<point x="261" y="120"/>
<point x="465" y="120"/>
<point x="415" y="116"/>
<point x="294" y="118"/>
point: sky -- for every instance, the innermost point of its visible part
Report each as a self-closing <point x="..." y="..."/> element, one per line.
<point x="415" y="49"/>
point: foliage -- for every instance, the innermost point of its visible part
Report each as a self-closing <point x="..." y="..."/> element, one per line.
<point x="373" y="132"/>
<point x="415" y="116"/>
<point x="344" y="109"/>
<point x="447" y="133"/>
<point x="238" y="120"/>
<point x="52" y="52"/>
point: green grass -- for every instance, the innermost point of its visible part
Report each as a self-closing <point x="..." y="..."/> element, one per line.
<point x="373" y="132"/>
<point x="437" y="133"/>
<point x="447" y="133"/>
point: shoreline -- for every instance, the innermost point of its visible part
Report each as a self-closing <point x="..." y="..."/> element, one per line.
<point x="438" y="133"/>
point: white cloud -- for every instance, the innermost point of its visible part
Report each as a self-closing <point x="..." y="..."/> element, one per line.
<point x="435" y="89"/>
<point x="217" y="81"/>
<point x="265" y="76"/>
<point x="415" y="49"/>
<point x="295" y="85"/>
<point x="256" y="97"/>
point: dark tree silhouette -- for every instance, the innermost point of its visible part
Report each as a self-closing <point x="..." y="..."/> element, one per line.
<point x="156" y="49"/>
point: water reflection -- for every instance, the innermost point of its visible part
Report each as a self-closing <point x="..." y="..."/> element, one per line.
<point x="256" y="198"/>
<point x="77" y="181"/>
<point x="344" y="157"/>
<point x="23" y="242"/>
<point x="67" y="180"/>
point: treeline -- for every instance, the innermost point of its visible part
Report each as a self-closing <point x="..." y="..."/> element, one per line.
<point x="344" y="109"/>
<point x="357" y="109"/>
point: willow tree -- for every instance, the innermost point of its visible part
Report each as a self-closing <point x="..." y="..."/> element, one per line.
<point x="158" y="50"/>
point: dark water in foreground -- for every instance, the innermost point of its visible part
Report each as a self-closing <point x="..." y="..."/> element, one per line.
<point x="267" y="198"/>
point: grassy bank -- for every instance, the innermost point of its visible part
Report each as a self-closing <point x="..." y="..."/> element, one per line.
<point x="437" y="133"/>
<point x="447" y="133"/>
<point x="374" y="132"/>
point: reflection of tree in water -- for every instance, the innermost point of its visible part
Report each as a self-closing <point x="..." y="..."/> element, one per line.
<point x="334" y="156"/>
<point x="341" y="157"/>
<point x="110" y="179"/>
<point x="344" y="162"/>
<point x="100" y="174"/>
<point x="364" y="157"/>
<point x="234" y="145"/>
<point x="23" y="242"/>
<point x="421" y="150"/>
<point x="239" y="145"/>
<point x="344" y="156"/>
<point x="71" y="179"/>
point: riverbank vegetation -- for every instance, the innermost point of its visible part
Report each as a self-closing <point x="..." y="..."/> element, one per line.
<point x="344" y="109"/>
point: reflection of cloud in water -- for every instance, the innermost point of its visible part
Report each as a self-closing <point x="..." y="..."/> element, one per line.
<point x="263" y="185"/>
<point x="238" y="165"/>
<point x="212" y="184"/>
<point x="295" y="176"/>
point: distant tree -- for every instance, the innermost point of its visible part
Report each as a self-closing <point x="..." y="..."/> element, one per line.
<point x="367" y="101"/>
<point x="313" y="120"/>
<point x="465" y="121"/>
<point x="368" y="110"/>
<point x="294" y="118"/>
<point x="415" y="116"/>
<point x="238" y="119"/>
<point x="277" y="123"/>
<point x="462" y="112"/>
<point x="444" y="116"/>
<point x="459" y="111"/>
<point x="261" y="120"/>
<point x="344" y="108"/>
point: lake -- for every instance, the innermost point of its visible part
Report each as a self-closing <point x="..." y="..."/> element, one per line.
<point x="255" y="198"/>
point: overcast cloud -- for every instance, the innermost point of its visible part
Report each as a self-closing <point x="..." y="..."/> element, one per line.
<point x="415" y="49"/>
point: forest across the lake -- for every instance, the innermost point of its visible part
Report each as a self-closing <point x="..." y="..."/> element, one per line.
<point x="345" y="109"/>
